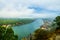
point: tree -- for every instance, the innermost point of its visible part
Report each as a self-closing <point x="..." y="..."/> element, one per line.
<point x="7" y="34"/>
<point x="57" y="20"/>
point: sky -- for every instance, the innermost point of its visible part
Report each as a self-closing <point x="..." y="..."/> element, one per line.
<point x="29" y="8"/>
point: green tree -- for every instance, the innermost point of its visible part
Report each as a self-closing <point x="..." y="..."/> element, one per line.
<point x="7" y="34"/>
<point x="57" y="20"/>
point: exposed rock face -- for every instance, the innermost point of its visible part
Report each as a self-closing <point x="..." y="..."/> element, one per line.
<point x="57" y="31"/>
<point x="58" y="37"/>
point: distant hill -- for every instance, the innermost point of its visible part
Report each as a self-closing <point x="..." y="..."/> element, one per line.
<point x="15" y="21"/>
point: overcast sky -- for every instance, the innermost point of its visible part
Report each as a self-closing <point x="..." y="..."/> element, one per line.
<point x="29" y="8"/>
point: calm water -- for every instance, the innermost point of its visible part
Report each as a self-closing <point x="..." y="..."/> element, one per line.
<point x="25" y="30"/>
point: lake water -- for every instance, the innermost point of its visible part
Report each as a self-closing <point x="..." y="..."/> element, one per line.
<point x="25" y="30"/>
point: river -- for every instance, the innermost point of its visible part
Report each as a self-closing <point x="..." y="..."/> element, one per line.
<point x="25" y="30"/>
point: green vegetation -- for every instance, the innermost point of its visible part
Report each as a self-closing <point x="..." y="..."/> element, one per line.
<point x="6" y="33"/>
<point x="57" y="20"/>
<point x="15" y="22"/>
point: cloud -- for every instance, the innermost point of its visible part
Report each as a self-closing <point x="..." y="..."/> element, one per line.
<point x="48" y="4"/>
<point x="20" y="8"/>
<point x="8" y="12"/>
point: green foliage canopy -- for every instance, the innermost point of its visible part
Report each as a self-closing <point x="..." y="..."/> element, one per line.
<point x="7" y="34"/>
<point x="57" y="20"/>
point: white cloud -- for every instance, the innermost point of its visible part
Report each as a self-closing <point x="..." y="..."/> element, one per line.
<point x="10" y="12"/>
<point x="19" y="8"/>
